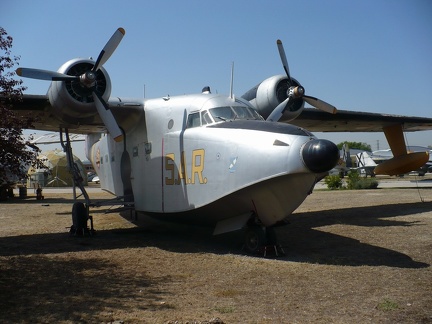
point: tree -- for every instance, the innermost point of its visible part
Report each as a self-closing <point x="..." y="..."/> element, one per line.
<point x="356" y="146"/>
<point x="15" y="151"/>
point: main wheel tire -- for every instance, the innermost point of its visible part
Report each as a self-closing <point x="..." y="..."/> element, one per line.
<point x="79" y="216"/>
<point x="255" y="238"/>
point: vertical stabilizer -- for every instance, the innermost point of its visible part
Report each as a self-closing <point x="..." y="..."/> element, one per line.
<point x="364" y="160"/>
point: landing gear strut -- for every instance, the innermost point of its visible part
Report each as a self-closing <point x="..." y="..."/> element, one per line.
<point x="80" y="211"/>
<point x="262" y="240"/>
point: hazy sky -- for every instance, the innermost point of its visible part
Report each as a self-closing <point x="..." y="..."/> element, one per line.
<point x="369" y="55"/>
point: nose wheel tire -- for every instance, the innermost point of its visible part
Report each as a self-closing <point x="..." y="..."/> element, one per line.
<point x="263" y="241"/>
<point x="255" y="238"/>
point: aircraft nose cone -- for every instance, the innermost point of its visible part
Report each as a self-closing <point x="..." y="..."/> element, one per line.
<point x="320" y="155"/>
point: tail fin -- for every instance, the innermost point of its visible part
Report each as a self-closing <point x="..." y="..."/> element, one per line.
<point x="364" y="160"/>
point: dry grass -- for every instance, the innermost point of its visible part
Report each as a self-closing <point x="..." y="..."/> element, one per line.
<point x="352" y="256"/>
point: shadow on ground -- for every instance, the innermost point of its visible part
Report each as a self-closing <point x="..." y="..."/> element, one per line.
<point x="74" y="289"/>
<point x="302" y="240"/>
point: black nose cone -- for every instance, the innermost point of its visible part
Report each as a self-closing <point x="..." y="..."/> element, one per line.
<point x="320" y="155"/>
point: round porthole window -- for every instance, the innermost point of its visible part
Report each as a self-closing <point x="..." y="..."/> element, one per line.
<point x="170" y="124"/>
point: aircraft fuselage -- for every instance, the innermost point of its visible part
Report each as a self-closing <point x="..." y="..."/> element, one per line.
<point x="183" y="165"/>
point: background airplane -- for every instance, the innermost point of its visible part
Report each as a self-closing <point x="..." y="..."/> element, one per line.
<point x="357" y="161"/>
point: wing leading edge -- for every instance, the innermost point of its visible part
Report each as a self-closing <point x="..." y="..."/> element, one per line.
<point x="126" y="112"/>
<point x="354" y="121"/>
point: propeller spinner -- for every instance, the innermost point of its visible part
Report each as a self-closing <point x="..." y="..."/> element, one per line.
<point x="296" y="92"/>
<point x="87" y="80"/>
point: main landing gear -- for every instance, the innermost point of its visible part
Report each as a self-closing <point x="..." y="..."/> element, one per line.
<point x="80" y="211"/>
<point x="262" y="240"/>
<point x="80" y="217"/>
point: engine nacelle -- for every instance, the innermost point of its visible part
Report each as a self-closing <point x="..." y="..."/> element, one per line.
<point x="267" y="95"/>
<point x="72" y="101"/>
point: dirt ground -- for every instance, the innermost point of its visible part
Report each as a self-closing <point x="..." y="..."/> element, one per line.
<point x="351" y="256"/>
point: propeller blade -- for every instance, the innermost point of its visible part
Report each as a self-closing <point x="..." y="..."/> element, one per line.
<point x="109" y="48"/>
<point x="277" y="113"/>
<point x="283" y="59"/>
<point x="107" y="117"/>
<point x="319" y="104"/>
<point x="44" y="75"/>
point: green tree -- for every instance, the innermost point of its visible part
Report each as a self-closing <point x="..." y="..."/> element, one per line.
<point x="356" y="146"/>
<point x="15" y="151"/>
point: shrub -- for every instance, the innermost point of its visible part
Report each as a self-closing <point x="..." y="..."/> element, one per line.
<point x="333" y="182"/>
<point x="354" y="181"/>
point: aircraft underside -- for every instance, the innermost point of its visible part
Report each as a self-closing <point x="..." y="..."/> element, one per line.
<point x="271" y="201"/>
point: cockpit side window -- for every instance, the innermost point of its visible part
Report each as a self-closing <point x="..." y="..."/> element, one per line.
<point x="193" y="120"/>
<point x="254" y="113"/>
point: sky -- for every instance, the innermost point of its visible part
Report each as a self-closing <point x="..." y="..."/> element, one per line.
<point x="369" y="55"/>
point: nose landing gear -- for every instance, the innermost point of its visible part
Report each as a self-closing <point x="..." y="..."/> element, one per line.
<point x="262" y="241"/>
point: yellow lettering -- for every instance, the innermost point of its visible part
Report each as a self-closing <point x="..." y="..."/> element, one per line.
<point x="169" y="167"/>
<point x="182" y="171"/>
<point x="198" y="166"/>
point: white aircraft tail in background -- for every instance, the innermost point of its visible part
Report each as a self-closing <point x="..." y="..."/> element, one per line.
<point x="365" y="164"/>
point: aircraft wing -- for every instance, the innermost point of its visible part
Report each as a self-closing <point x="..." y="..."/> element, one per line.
<point x="353" y="121"/>
<point x="126" y="112"/>
<point x="54" y="137"/>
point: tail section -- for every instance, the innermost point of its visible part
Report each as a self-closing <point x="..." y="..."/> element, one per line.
<point x="364" y="160"/>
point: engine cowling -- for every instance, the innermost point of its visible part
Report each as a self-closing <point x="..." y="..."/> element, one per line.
<point x="267" y="95"/>
<point x="72" y="101"/>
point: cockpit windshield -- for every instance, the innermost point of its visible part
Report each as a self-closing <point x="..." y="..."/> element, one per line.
<point x="233" y="113"/>
<point x="221" y="114"/>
